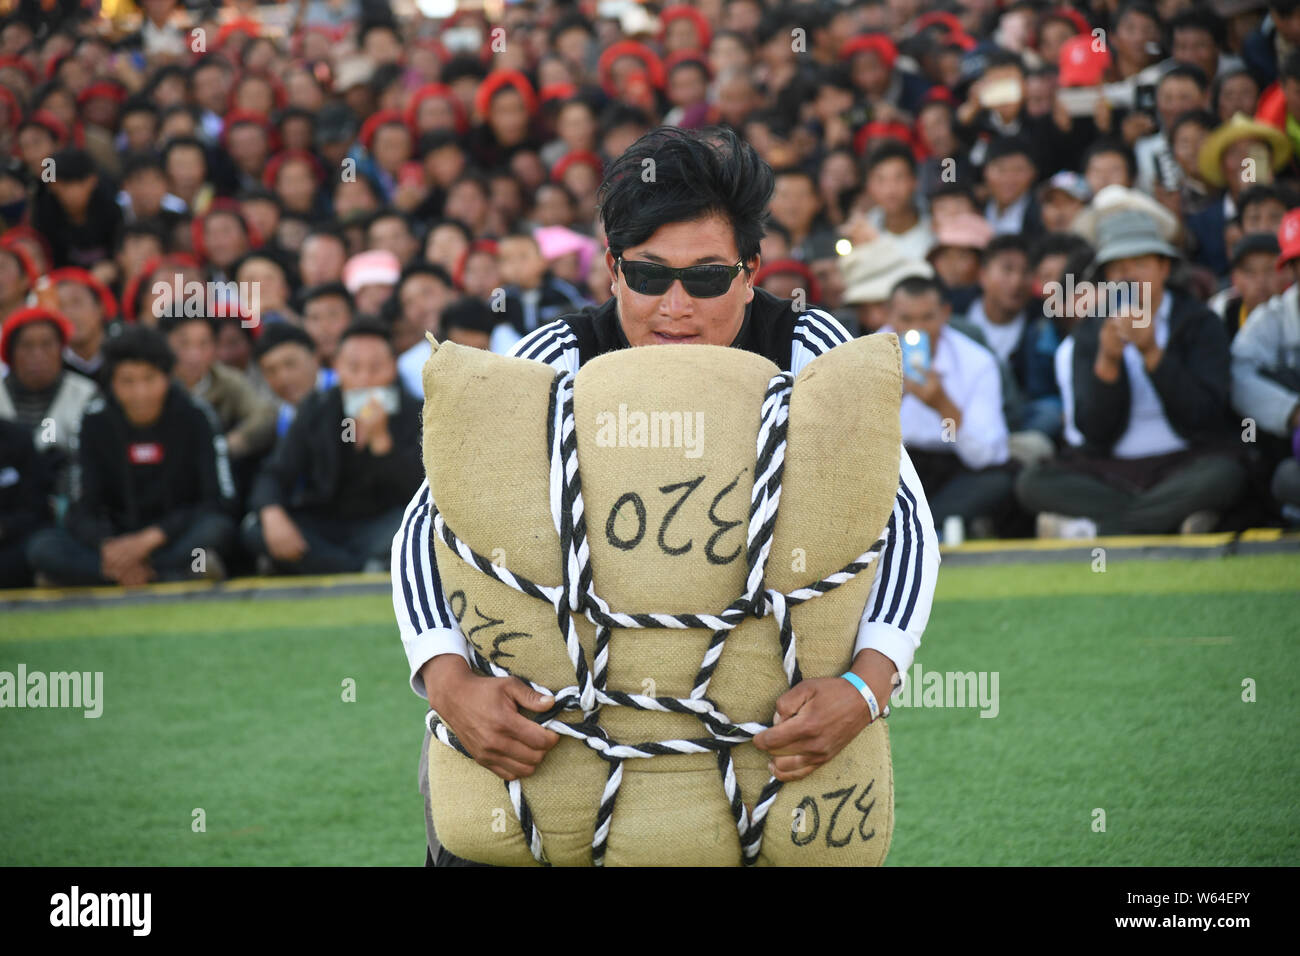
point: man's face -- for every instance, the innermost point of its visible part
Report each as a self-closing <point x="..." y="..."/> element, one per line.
<point x="321" y="260"/>
<point x="1178" y="95"/>
<point x="82" y="308"/>
<point x="521" y="262"/>
<point x="371" y="298"/>
<point x="1255" y="277"/>
<point x="1150" y="270"/>
<point x="1004" y="280"/>
<point x="247" y="147"/>
<point x="1105" y="169"/>
<point x="1059" y="210"/>
<point x="325" y="320"/>
<point x="794" y="203"/>
<point x="891" y="185"/>
<point x="365" y="361"/>
<point x="423" y="298"/>
<point x="224" y="239"/>
<point x="675" y="317"/>
<point x="956" y="265"/>
<point x="141" y="389"/>
<point x="392" y="234"/>
<point x="290" y="370"/>
<point x="74" y="195"/>
<point x="1009" y="178"/>
<point x="146" y="189"/>
<point x="1197" y="48"/>
<point x="37" y="355"/>
<point x="1263" y="217"/>
<point x="196" y="349"/>
<point x="926" y="313"/>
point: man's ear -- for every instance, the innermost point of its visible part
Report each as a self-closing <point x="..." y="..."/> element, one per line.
<point x="754" y="265"/>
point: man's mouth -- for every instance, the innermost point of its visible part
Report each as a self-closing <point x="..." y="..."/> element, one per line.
<point x="679" y="338"/>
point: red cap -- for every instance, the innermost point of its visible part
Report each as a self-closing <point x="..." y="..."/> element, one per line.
<point x="877" y="43"/>
<point x="703" y="32"/>
<point x="110" y="88"/>
<point x="649" y="59"/>
<point x="791" y="266"/>
<point x="499" y="78"/>
<point x="441" y="91"/>
<point x="882" y="130"/>
<point x="83" y="277"/>
<point x="577" y="156"/>
<point x="1288" y="237"/>
<point x="17" y="320"/>
<point x="376" y="120"/>
<point x="279" y="159"/>
<point x="1081" y="65"/>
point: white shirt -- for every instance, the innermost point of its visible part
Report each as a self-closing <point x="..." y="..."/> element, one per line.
<point x="916" y="243"/>
<point x="1148" y="432"/>
<point x="970" y="376"/>
<point x="410" y="367"/>
<point x="1009" y="221"/>
<point x="897" y="608"/>
<point x="1002" y="339"/>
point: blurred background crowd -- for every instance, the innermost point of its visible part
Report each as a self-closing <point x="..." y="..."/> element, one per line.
<point x="1082" y="219"/>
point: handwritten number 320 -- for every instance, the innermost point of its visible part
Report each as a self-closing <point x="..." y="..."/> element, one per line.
<point x="631" y="502"/>
<point x="811" y="817"/>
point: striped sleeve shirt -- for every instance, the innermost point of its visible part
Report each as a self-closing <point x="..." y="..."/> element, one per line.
<point x="898" y="606"/>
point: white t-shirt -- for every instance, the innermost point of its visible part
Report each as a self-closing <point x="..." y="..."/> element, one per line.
<point x="1002" y="339"/>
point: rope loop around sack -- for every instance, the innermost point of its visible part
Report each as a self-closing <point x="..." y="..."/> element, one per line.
<point x="576" y="594"/>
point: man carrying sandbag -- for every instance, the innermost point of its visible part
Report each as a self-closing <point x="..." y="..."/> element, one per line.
<point x="678" y="239"/>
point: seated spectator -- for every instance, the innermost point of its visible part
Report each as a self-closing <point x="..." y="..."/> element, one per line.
<point x="952" y="421"/>
<point x="286" y="358"/>
<point x="153" y="481"/>
<point x="1009" y="175"/>
<point x="1255" y="279"/>
<point x="246" y="418"/>
<point x="1146" y="403"/>
<point x="25" y="489"/>
<point x="76" y="211"/>
<point x="370" y="278"/>
<point x="534" y="295"/>
<point x="959" y="240"/>
<point x="327" y="312"/>
<point x="468" y="322"/>
<point x="88" y="305"/>
<point x="1062" y="198"/>
<point x="1266" y="371"/>
<point x="1108" y="162"/>
<point x="891" y="185"/>
<point x="1025" y="343"/>
<point x="331" y="496"/>
<point x="798" y="206"/>
<point x="422" y="293"/>
<point x="39" y="393"/>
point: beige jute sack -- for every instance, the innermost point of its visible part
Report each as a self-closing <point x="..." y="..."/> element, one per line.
<point x="660" y="529"/>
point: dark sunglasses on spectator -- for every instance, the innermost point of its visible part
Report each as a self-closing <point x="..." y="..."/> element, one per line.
<point x="700" y="282"/>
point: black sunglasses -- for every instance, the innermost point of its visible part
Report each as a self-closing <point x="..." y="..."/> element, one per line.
<point x="700" y="282"/>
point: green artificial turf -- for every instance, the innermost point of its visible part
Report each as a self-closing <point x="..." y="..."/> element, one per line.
<point x="1119" y="691"/>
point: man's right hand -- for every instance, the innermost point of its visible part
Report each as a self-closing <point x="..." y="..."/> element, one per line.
<point x="284" y="541"/>
<point x="484" y="713"/>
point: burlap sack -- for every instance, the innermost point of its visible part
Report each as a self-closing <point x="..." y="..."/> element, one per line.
<point x="486" y="457"/>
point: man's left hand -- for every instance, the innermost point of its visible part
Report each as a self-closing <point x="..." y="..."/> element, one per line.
<point x="818" y="717"/>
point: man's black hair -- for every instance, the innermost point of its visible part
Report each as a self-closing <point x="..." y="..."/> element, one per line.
<point x="462" y="66"/>
<point x="999" y="57"/>
<point x="207" y="60"/>
<point x="179" y="142"/>
<point x="422" y="267"/>
<point x="914" y="286"/>
<point x="138" y="103"/>
<point x="696" y="173"/>
<point x="379" y="23"/>
<point x="1056" y="244"/>
<point x="1204" y="118"/>
<point x="456" y="224"/>
<point x="72" y="164"/>
<point x="368" y="326"/>
<point x="887" y="149"/>
<point x="437" y="139"/>
<point x="1008" y="242"/>
<point x="1189" y="71"/>
<point x="257" y="194"/>
<point x="151" y="227"/>
<point x="1140" y="7"/>
<point x="569" y="21"/>
<point x="1002" y="146"/>
<point x="1107" y="145"/>
<point x="385" y="76"/>
<point x="471" y="314"/>
<point x="1194" y="18"/>
<point x="389" y="212"/>
<point x="136" y="163"/>
<point x="167" y="324"/>
<point x="137" y="343"/>
<point x="689" y="63"/>
<point x="325" y="289"/>
<point x="275" y="334"/>
<point x="618" y="115"/>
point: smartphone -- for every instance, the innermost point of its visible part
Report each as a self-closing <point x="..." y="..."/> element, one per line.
<point x="916" y="353"/>
<point x="1002" y="93"/>
<point x="1144" y="99"/>
<point x="355" y="399"/>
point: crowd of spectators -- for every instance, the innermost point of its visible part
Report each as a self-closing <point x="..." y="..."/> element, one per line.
<point x="227" y="230"/>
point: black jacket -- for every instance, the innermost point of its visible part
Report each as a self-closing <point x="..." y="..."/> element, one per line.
<point x="1191" y="380"/>
<point x="167" y="474"/>
<point x="305" y="471"/>
<point x="25" y="484"/>
<point x="768" y="329"/>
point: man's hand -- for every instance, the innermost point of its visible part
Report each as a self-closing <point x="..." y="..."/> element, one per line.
<point x="1140" y="330"/>
<point x="117" y="555"/>
<point x="931" y="392"/>
<point x="284" y="541"/>
<point x="817" y="718"/>
<point x="372" y="428"/>
<point x="484" y="713"/>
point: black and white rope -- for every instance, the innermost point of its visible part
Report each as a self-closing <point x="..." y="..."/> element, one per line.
<point x="576" y="594"/>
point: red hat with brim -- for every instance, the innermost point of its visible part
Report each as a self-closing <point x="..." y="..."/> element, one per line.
<point x="17" y="320"/>
<point x="1080" y="63"/>
<point x="83" y="277"/>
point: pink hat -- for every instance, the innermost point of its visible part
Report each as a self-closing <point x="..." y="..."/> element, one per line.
<point x="965" y="230"/>
<point x="376" y="267"/>
<point x="556" y="241"/>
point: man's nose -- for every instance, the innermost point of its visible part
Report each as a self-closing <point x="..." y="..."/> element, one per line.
<point x="676" y="300"/>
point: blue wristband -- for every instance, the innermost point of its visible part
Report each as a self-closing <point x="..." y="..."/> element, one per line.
<point x="865" y="691"/>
